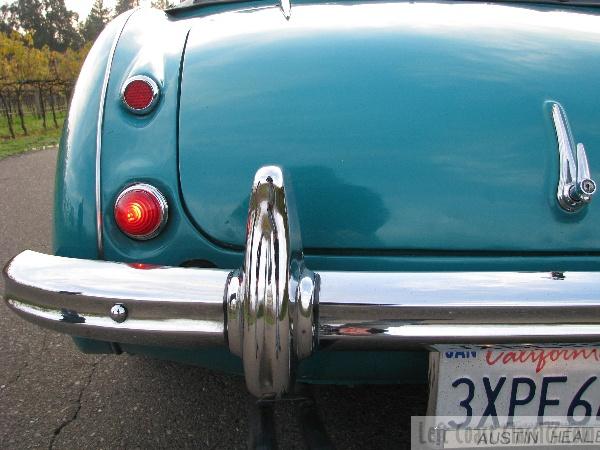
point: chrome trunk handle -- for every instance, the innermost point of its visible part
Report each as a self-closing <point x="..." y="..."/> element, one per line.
<point x="575" y="185"/>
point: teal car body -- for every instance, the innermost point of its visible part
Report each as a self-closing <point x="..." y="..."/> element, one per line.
<point x="418" y="137"/>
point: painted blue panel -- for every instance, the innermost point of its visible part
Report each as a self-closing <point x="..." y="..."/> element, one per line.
<point x="74" y="194"/>
<point x="364" y="121"/>
<point x="144" y="148"/>
<point x="418" y="126"/>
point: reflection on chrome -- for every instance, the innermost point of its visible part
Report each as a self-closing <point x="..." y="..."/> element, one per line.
<point x="400" y="334"/>
<point x="270" y="299"/>
<point x="368" y="310"/>
<point x="181" y="326"/>
<point x="443" y="290"/>
<point x="165" y="306"/>
<point x="286" y="8"/>
<point x="270" y="310"/>
<point x="575" y="186"/>
<point x="116" y="281"/>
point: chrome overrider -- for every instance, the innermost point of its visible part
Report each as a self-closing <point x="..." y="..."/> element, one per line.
<point x="575" y="185"/>
<point x="273" y="311"/>
<point x="270" y="321"/>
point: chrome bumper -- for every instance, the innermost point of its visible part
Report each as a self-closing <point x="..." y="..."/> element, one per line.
<point x="162" y="305"/>
<point x="274" y="311"/>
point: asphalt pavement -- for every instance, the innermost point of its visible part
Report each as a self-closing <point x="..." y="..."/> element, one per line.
<point x="53" y="396"/>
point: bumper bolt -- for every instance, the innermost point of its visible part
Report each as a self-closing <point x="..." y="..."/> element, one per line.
<point x="118" y="313"/>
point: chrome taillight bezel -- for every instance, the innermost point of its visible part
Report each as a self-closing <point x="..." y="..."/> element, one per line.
<point x="155" y="94"/>
<point x="163" y="207"/>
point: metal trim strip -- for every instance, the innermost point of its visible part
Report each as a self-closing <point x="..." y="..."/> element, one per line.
<point x="99" y="126"/>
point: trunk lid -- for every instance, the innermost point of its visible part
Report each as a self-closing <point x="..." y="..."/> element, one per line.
<point x="403" y="126"/>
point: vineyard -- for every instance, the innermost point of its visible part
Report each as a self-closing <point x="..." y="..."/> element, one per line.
<point x="42" y="47"/>
<point x="34" y="83"/>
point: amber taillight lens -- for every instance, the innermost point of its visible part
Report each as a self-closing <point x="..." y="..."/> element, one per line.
<point x="141" y="211"/>
<point x="140" y="94"/>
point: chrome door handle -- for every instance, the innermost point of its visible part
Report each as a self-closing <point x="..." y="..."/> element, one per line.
<point x="575" y="185"/>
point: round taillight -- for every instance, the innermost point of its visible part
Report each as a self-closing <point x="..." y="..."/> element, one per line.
<point x="141" y="211"/>
<point x="140" y="94"/>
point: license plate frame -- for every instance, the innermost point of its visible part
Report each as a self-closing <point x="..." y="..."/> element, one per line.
<point x="541" y="364"/>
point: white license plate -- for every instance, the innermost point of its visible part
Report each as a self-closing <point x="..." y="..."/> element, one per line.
<point x="491" y="387"/>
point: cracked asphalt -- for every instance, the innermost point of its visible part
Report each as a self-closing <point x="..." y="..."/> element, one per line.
<point x="52" y="396"/>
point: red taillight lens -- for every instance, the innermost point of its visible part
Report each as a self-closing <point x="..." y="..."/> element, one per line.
<point x="140" y="94"/>
<point x="141" y="211"/>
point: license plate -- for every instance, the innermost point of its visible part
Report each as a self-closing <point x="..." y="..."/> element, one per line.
<point x="508" y="386"/>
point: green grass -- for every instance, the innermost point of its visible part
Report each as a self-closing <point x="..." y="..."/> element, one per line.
<point x="38" y="137"/>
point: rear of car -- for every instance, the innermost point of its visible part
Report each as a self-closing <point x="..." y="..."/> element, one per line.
<point x="310" y="192"/>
